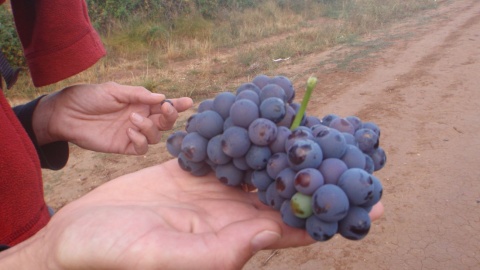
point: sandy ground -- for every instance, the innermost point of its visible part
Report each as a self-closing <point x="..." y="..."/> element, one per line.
<point x="420" y="81"/>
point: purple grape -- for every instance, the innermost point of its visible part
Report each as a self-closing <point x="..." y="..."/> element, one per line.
<point x="261" y="80"/>
<point x="320" y="230"/>
<point x="330" y="203"/>
<point x="272" y="90"/>
<point x="257" y="157"/>
<point x="243" y="112"/>
<point x="286" y="85"/>
<point x="276" y="163"/>
<point x="304" y="154"/>
<point x="311" y="121"/>
<point x="227" y="123"/>
<point x="229" y="174"/>
<point x="328" y="118"/>
<point x="214" y="151"/>
<point x="367" y="139"/>
<point x="191" y="125"/>
<point x="342" y="125"/>
<point x="250" y="95"/>
<point x="316" y="129"/>
<point x="355" y="225"/>
<point x="235" y="141"/>
<point x="247" y="177"/>
<point x="209" y="124"/>
<point x="355" y="121"/>
<point x="353" y="157"/>
<point x="285" y="183"/>
<point x="377" y="193"/>
<point x="273" y="109"/>
<point x="241" y="163"/>
<point x="195" y="168"/>
<point x="211" y="164"/>
<point x="296" y="106"/>
<point x="372" y="126"/>
<point x="379" y="158"/>
<point x="350" y="139"/>
<point x="273" y="198"/>
<point x="331" y="169"/>
<point x="248" y="86"/>
<point x="289" y="217"/>
<point x="288" y="118"/>
<point x="332" y="142"/>
<point x="297" y="134"/>
<point x="205" y="105"/>
<point x="308" y="180"/>
<point x="369" y="166"/>
<point x="222" y="103"/>
<point x="357" y="184"/>
<point x="261" y="180"/>
<point x="174" y="142"/>
<point x="262" y="132"/>
<point x="262" y="196"/>
<point x="278" y="145"/>
<point x="194" y="147"/>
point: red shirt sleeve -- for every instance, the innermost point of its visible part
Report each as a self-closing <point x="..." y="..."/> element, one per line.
<point x="57" y="37"/>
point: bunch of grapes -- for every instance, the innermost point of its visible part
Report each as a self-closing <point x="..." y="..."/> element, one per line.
<point x="318" y="172"/>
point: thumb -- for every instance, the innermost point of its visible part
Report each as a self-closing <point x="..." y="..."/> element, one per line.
<point x="241" y="240"/>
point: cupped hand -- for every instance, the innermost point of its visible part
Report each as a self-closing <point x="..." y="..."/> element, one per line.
<point x="163" y="218"/>
<point x="106" y="117"/>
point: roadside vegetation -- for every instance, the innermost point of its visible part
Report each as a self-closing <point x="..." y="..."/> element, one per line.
<point x="150" y="41"/>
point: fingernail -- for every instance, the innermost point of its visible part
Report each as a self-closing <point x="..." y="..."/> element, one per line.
<point x="169" y="107"/>
<point x="263" y="240"/>
<point x="137" y="118"/>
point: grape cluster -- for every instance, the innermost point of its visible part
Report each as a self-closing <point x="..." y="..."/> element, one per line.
<point x="319" y="175"/>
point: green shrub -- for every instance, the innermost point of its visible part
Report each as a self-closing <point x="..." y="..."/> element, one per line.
<point x="105" y="14"/>
<point x="9" y="41"/>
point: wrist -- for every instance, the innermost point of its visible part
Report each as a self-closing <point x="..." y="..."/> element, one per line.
<point x="30" y="254"/>
<point x="41" y="120"/>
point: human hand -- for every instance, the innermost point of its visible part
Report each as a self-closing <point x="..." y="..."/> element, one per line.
<point x="162" y="218"/>
<point x="106" y="117"/>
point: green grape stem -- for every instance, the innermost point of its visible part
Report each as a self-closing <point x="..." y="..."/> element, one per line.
<point x="311" y="83"/>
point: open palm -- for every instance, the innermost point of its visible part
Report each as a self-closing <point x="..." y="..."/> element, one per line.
<point x="162" y="217"/>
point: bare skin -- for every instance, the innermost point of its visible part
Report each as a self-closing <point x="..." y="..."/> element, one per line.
<point x="160" y="217"/>
<point x="106" y="117"/>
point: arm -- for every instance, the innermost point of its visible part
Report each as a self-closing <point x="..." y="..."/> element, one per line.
<point x="158" y="218"/>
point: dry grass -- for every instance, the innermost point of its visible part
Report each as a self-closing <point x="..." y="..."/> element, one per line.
<point x="201" y="57"/>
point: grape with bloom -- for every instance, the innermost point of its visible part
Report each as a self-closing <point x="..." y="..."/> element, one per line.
<point x="316" y="171"/>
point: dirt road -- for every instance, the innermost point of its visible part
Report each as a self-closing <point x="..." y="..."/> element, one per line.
<point x="420" y="81"/>
<point x="424" y="92"/>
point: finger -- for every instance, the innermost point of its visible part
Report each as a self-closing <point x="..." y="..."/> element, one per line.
<point x="139" y="145"/>
<point x="134" y="94"/>
<point x="180" y="104"/>
<point x="377" y="211"/>
<point x="239" y="241"/>
<point x="165" y="119"/>
<point x="146" y="127"/>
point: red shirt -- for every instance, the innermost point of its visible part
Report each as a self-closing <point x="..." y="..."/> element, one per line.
<point x="58" y="42"/>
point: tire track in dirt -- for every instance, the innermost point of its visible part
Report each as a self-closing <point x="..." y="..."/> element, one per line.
<point x="425" y="97"/>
